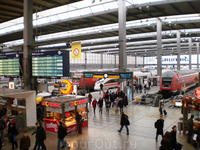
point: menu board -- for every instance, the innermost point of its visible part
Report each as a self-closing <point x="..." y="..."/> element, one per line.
<point x="10" y="65"/>
<point x="50" y="64"/>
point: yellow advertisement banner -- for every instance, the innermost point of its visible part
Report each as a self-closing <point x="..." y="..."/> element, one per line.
<point x="76" y="50"/>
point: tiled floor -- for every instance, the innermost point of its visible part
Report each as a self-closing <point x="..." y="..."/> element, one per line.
<point x="102" y="131"/>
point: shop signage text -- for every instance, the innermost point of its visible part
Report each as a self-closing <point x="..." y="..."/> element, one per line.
<point x="197" y="92"/>
<point x="175" y="59"/>
<point x="78" y="102"/>
<point x="48" y="104"/>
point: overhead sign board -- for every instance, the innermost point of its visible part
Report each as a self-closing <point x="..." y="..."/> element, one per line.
<point x="125" y="76"/>
<point x="10" y="65"/>
<point x="50" y="64"/>
<point x="108" y="75"/>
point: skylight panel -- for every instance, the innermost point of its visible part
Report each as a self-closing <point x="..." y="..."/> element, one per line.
<point x="129" y="2"/>
<point x="85" y="11"/>
<point x="73" y="14"/>
<point x="97" y="8"/>
<point x="63" y="16"/>
<point x="111" y="5"/>
<point x="2" y="31"/>
<point x="44" y="20"/>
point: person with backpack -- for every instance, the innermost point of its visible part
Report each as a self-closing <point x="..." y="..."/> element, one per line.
<point x="159" y="124"/>
<point x="62" y="132"/>
<point x="25" y="142"/>
<point x="2" y="127"/>
<point x="94" y="104"/>
<point x="124" y="122"/>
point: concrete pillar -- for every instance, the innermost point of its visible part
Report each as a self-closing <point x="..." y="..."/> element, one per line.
<point x="122" y="35"/>
<point x="28" y="42"/>
<point x="101" y="61"/>
<point x="178" y="36"/>
<point x="115" y="61"/>
<point x="135" y="61"/>
<point x="159" y="47"/>
<point x="197" y="55"/>
<point x="143" y="61"/>
<point x="85" y="60"/>
<point x="190" y="53"/>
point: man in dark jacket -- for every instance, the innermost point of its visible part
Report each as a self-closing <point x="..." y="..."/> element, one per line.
<point x="124" y="122"/>
<point x="121" y="104"/>
<point x="100" y="103"/>
<point x="62" y="132"/>
<point x="159" y="124"/>
<point x="190" y="125"/>
<point x="101" y="88"/>
<point x="40" y="136"/>
<point x="166" y="142"/>
<point x="25" y="142"/>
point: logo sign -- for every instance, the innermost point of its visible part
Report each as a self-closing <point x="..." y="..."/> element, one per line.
<point x="76" y="50"/>
<point x="49" y="104"/>
<point x="197" y="92"/>
<point x="78" y="102"/>
<point x="51" y="126"/>
<point x="69" y="87"/>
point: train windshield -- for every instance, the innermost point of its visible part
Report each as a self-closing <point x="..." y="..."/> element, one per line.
<point x="166" y="81"/>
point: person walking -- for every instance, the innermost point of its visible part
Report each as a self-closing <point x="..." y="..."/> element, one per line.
<point x="25" y="141"/>
<point x="124" y="122"/>
<point x="35" y="146"/>
<point x="13" y="134"/>
<point x="79" y="122"/>
<point x="101" y="88"/>
<point x="159" y="124"/>
<point x="166" y="142"/>
<point x="90" y="98"/>
<point x="190" y="125"/>
<point x="121" y="104"/>
<point x="108" y="104"/>
<point x="125" y="100"/>
<point x="100" y="103"/>
<point x="112" y="98"/>
<point x="2" y="127"/>
<point x="140" y="87"/>
<point x="40" y="136"/>
<point x="145" y="88"/>
<point x="62" y="132"/>
<point x="94" y="104"/>
<point x="116" y="104"/>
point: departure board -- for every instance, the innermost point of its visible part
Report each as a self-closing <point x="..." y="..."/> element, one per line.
<point x="50" y="64"/>
<point x="10" y="65"/>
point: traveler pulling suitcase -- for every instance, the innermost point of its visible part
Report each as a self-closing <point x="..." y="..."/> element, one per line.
<point x="165" y="112"/>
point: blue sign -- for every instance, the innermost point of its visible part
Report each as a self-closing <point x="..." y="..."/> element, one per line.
<point x="128" y="93"/>
<point x="125" y="76"/>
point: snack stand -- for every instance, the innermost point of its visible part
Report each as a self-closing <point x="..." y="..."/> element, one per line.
<point x="191" y="105"/>
<point x="64" y="109"/>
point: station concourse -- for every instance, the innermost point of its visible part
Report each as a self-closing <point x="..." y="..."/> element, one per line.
<point x="49" y="40"/>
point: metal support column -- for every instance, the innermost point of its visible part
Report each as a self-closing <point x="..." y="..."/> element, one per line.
<point x="197" y="55"/>
<point x="143" y="61"/>
<point x="85" y="60"/>
<point x="101" y="61"/>
<point x="135" y="61"/>
<point x="159" y="47"/>
<point x="178" y="36"/>
<point x="115" y="61"/>
<point x="122" y="35"/>
<point x="28" y="43"/>
<point x="190" y="53"/>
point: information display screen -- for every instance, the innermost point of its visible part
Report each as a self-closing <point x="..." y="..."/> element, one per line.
<point x="10" y="65"/>
<point x="50" y="64"/>
<point x="125" y="76"/>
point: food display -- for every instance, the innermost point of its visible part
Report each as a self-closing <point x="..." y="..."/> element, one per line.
<point x="196" y="123"/>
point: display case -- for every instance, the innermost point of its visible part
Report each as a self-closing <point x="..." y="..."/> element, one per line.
<point x="64" y="109"/>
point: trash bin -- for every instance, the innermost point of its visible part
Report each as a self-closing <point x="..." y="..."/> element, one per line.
<point x="180" y="126"/>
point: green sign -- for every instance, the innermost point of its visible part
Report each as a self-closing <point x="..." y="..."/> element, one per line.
<point x="88" y="75"/>
<point x="125" y="76"/>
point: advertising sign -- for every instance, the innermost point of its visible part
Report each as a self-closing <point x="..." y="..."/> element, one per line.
<point x="197" y="92"/>
<point x="128" y="93"/>
<point x="51" y="126"/>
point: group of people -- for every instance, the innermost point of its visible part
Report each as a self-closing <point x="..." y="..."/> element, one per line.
<point x="111" y="99"/>
<point x="169" y="140"/>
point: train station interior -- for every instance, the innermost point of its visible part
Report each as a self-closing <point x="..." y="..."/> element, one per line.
<point x="54" y="54"/>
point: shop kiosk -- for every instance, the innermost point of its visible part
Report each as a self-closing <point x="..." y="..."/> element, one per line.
<point x="64" y="109"/>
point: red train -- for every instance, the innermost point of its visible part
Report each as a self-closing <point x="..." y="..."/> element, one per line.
<point x="89" y="83"/>
<point x="171" y="81"/>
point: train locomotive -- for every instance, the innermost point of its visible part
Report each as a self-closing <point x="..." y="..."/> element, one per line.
<point x="171" y="81"/>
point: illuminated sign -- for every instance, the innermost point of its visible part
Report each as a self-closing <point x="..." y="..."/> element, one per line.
<point x="49" y="104"/>
<point x="69" y="87"/>
<point x="125" y="76"/>
<point x="78" y="102"/>
<point x="197" y="92"/>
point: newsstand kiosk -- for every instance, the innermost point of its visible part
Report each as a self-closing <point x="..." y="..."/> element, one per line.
<point x="64" y="109"/>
